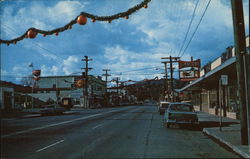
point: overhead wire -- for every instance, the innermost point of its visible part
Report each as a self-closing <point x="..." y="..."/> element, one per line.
<point x="196" y="28"/>
<point x="189" y="26"/>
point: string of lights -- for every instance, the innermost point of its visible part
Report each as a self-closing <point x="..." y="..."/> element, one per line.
<point x="80" y="19"/>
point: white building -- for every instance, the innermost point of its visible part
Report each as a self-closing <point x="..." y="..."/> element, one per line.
<point x="53" y="87"/>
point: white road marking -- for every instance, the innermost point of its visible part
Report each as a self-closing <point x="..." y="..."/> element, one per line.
<point x="56" y="124"/>
<point x="58" y="142"/>
<point x="97" y="126"/>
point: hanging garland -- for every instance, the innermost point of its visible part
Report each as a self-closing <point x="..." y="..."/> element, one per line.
<point x="80" y="19"/>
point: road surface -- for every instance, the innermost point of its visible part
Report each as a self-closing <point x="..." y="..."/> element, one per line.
<point x="122" y="132"/>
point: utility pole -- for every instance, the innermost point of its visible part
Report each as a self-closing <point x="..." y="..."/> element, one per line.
<point x="166" y="80"/>
<point x="171" y="61"/>
<point x="240" y="51"/>
<point x="86" y="79"/>
<point x="32" y="89"/>
<point x="106" y="82"/>
<point x="117" y="88"/>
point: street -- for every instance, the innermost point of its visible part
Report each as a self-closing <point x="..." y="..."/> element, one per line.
<point x="124" y="132"/>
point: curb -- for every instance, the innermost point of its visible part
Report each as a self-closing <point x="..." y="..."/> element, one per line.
<point x="229" y="145"/>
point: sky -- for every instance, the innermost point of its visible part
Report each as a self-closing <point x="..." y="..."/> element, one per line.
<point x="131" y="48"/>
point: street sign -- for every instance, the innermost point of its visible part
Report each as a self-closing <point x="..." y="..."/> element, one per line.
<point x="224" y="80"/>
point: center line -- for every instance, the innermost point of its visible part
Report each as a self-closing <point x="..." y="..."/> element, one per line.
<point x="97" y="126"/>
<point x="58" y="142"/>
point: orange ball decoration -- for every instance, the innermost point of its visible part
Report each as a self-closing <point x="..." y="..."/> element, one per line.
<point x="145" y="6"/>
<point x="80" y="83"/>
<point x="32" y="34"/>
<point x="81" y="20"/>
<point x="126" y="17"/>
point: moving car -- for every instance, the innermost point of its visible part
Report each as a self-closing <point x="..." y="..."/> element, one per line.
<point x="163" y="106"/>
<point x="180" y="113"/>
<point x="52" y="109"/>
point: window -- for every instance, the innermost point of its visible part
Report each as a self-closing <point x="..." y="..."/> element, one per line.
<point x="182" y="107"/>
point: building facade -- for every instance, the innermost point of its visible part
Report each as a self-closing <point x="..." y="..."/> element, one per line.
<point x="209" y="94"/>
<point x="56" y="88"/>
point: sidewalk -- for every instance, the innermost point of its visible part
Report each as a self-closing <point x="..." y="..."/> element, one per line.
<point x="229" y="136"/>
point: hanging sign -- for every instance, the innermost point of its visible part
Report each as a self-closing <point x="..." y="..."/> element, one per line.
<point x="195" y="63"/>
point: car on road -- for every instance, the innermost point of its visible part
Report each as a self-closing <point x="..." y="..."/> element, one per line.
<point x="163" y="105"/>
<point x="52" y="109"/>
<point x="180" y="113"/>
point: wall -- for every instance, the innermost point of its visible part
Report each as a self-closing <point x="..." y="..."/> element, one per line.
<point x="9" y="90"/>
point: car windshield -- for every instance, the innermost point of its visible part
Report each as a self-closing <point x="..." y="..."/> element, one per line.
<point x="164" y="105"/>
<point x="182" y="107"/>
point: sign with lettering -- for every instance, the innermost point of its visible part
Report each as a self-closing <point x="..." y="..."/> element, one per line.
<point x="195" y="63"/>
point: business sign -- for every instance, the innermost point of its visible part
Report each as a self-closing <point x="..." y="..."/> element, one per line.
<point x="189" y="75"/>
<point x="224" y="80"/>
<point x="195" y="63"/>
<point x="36" y="74"/>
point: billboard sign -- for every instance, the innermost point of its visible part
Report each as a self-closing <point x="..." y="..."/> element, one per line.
<point x="189" y="75"/>
<point x="36" y="74"/>
<point x="195" y="63"/>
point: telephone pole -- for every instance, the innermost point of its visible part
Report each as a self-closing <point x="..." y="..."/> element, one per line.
<point x="240" y="52"/>
<point x="117" y="88"/>
<point x="166" y="91"/>
<point x="171" y="60"/>
<point x="86" y="80"/>
<point x="106" y="82"/>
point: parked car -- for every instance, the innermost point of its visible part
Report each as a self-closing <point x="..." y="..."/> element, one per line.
<point x="163" y="106"/>
<point x="52" y="109"/>
<point x="180" y="113"/>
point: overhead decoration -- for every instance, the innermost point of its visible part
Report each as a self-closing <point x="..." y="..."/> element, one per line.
<point x="80" y="19"/>
<point x="80" y="83"/>
<point x="31" y="34"/>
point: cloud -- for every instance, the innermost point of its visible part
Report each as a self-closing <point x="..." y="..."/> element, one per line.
<point x="70" y="64"/>
<point x="122" y="46"/>
<point x="36" y="14"/>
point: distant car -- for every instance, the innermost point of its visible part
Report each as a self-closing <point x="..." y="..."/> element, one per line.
<point x="180" y="113"/>
<point x="52" y="109"/>
<point x="162" y="107"/>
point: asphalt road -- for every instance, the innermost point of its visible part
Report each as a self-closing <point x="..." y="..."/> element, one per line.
<point x="123" y="132"/>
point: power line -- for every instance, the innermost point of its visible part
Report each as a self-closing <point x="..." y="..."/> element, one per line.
<point x="189" y="26"/>
<point x="196" y="28"/>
